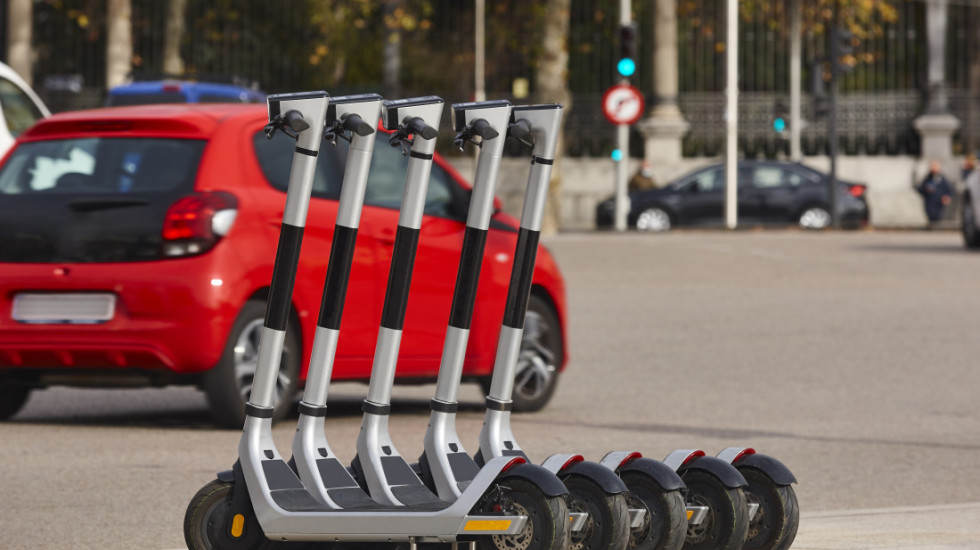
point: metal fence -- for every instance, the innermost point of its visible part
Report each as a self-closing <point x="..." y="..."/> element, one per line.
<point x="338" y="45"/>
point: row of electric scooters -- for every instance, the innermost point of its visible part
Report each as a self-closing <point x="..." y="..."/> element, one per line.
<point x="496" y="498"/>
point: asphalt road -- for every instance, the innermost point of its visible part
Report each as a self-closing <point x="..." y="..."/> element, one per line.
<point x="853" y="357"/>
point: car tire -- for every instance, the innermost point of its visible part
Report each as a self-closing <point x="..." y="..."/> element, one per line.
<point x="229" y="383"/>
<point x="541" y="355"/>
<point x="814" y="217"/>
<point x="12" y="399"/>
<point x="653" y="219"/>
<point x="968" y="225"/>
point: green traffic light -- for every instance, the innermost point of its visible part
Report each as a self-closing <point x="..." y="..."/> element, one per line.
<point x="626" y="66"/>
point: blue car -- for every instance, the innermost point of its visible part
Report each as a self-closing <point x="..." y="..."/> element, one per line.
<point x="179" y="91"/>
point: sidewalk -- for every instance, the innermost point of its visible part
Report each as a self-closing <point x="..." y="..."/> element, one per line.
<point x="955" y="526"/>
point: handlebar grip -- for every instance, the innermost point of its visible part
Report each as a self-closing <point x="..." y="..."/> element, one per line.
<point x="520" y="129"/>
<point x="418" y="127"/>
<point x="483" y="129"/>
<point x="295" y="121"/>
<point x="356" y="124"/>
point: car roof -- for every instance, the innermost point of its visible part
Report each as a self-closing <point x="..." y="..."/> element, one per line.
<point x="184" y="119"/>
<point x="184" y="86"/>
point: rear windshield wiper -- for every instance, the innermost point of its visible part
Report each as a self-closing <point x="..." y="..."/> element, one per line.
<point x="104" y="203"/>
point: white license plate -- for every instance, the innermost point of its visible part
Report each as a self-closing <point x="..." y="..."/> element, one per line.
<point x="63" y="308"/>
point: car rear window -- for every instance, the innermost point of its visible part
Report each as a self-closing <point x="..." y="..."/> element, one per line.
<point x="92" y="199"/>
<point x="275" y="157"/>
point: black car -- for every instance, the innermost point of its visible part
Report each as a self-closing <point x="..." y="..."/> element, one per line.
<point x="768" y="192"/>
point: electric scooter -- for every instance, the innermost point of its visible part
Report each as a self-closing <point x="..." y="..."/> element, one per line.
<point x="262" y="498"/>
<point x="594" y="490"/>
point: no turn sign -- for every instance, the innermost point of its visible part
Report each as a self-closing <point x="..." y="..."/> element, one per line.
<point x="623" y="104"/>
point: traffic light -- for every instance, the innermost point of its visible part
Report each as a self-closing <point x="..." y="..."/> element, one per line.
<point x="779" y="118"/>
<point x="841" y="51"/>
<point x="626" y="63"/>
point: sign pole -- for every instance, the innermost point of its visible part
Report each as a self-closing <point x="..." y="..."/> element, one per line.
<point x="623" y="141"/>
<point x="731" y="119"/>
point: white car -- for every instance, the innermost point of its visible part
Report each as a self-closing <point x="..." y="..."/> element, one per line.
<point x="969" y="221"/>
<point x="20" y="105"/>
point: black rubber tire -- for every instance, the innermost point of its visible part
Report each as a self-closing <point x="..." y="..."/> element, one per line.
<point x="968" y="228"/>
<point x="608" y="526"/>
<point x="727" y="522"/>
<point x="547" y="527"/>
<point x="222" y="385"/>
<point x="12" y="399"/>
<point x="665" y="524"/>
<point x="775" y="524"/>
<point x="207" y="517"/>
<point x="533" y="389"/>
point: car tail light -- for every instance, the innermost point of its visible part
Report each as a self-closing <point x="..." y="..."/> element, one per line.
<point x="856" y="190"/>
<point x="195" y="223"/>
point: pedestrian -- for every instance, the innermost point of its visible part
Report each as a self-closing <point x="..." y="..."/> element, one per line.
<point x="936" y="192"/>
<point x="969" y="166"/>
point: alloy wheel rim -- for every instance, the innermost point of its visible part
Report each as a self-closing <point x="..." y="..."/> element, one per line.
<point x="246" y="354"/>
<point x="535" y="363"/>
<point x="653" y="219"/>
<point x="815" y="218"/>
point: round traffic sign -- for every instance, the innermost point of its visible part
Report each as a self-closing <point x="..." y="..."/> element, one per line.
<point x="623" y="104"/>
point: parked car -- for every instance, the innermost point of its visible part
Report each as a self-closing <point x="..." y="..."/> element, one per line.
<point x="21" y="107"/>
<point x="137" y="244"/>
<point x="181" y="91"/>
<point x="768" y="192"/>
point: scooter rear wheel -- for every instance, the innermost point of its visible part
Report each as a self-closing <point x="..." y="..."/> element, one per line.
<point x="775" y="524"/>
<point x="547" y="526"/>
<point x="665" y="523"/>
<point x="727" y="522"/>
<point x="608" y="526"/>
<point x="207" y="518"/>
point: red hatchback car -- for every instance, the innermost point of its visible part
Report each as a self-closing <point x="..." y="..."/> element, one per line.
<point x="137" y="243"/>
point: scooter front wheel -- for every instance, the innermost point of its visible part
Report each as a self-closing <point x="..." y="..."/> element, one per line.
<point x="665" y="523"/>
<point x="775" y="524"/>
<point x="727" y="522"/>
<point x="547" y="525"/>
<point x="608" y="525"/>
<point x="208" y="519"/>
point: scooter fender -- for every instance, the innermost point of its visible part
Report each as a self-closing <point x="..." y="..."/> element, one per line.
<point x="605" y="478"/>
<point x="545" y="480"/>
<point x="663" y="475"/>
<point x="724" y="471"/>
<point x="771" y="467"/>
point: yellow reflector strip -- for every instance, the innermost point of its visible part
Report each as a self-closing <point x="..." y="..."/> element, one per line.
<point x="487" y="525"/>
<point x="690" y="513"/>
<point x="237" y="525"/>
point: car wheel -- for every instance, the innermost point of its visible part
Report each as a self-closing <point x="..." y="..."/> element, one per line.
<point x="814" y="217"/>
<point x="653" y="219"/>
<point x="12" y="399"/>
<point x="229" y="383"/>
<point x="971" y="237"/>
<point x="542" y="353"/>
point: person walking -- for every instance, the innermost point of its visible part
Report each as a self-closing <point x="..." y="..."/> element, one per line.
<point x="936" y="192"/>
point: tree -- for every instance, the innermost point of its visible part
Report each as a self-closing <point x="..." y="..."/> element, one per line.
<point x="551" y="80"/>
<point x="173" y="63"/>
<point x="119" y="42"/>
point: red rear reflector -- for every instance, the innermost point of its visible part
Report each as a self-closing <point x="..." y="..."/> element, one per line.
<point x="630" y="458"/>
<point x="692" y="456"/>
<point x="171" y="87"/>
<point x="513" y="462"/>
<point x="574" y="459"/>
<point x="745" y="452"/>
<point x="857" y="190"/>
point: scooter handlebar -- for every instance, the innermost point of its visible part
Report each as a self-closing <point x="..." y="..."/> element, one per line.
<point x="356" y="124"/>
<point x="520" y="130"/>
<point x="418" y="127"/>
<point x="295" y="121"/>
<point x="483" y="129"/>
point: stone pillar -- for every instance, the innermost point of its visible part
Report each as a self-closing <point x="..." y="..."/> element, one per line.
<point x="936" y="125"/>
<point x="665" y="126"/>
